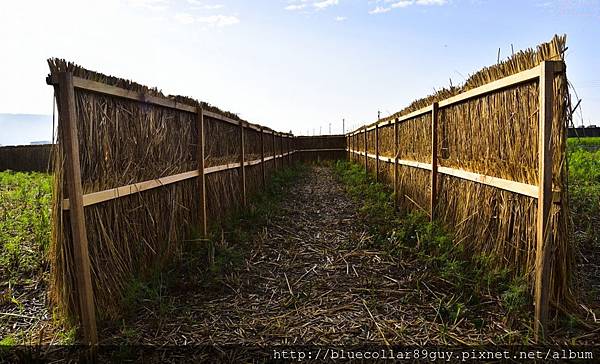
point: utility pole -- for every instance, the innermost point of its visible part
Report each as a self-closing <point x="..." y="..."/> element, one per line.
<point x="320" y="131"/>
<point x="329" y="128"/>
<point x="378" y="115"/>
<point x="343" y="126"/>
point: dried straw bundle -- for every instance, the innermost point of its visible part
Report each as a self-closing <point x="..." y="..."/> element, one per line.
<point x="123" y="142"/>
<point x="495" y="135"/>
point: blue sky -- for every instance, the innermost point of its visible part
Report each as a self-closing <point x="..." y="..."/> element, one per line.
<point x="291" y="65"/>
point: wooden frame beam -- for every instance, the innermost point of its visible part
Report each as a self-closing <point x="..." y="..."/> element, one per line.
<point x="95" y="198"/>
<point x="202" y="176"/>
<point x="83" y="279"/>
<point x="500" y="183"/>
<point x="102" y="88"/>
<point x="366" y="152"/>
<point x="434" y="159"/>
<point x="544" y="238"/>
<point x="274" y="152"/>
<point x="262" y="158"/>
<point x="396" y="153"/>
<point x="377" y="153"/>
<point x="242" y="164"/>
<point x="529" y="75"/>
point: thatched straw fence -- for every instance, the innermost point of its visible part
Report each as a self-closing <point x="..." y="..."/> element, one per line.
<point x="136" y="172"/>
<point x="26" y="158"/>
<point x="496" y="174"/>
<point x="322" y="147"/>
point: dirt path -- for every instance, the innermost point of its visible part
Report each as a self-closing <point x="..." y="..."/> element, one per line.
<point x="307" y="280"/>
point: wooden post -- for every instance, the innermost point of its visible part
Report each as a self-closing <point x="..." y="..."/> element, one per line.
<point x="289" y="149"/>
<point x="81" y="256"/>
<point x="262" y="157"/>
<point x="396" y="152"/>
<point x="348" y="146"/>
<point x="377" y="152"/>
<point x="366" y="157"/>
<point x="202" y="177"/>
<point x="274" y="151"/>
<point x="281" y="149"/>
<point x="242" y="164"/>
<point x="434" y="158"/>
<point x="544" y="239"/>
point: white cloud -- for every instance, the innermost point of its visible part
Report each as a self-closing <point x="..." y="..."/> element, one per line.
<point x="394" y="4"/>
<point x="340" y="18"/>
<point x="325" y="4"/>
<point x="219" y="20"/>
<point x="402" y="4"/>
<point x="379" y="10"/>
<point x="214" y="6"/>
<point x="197" y="4"/>
<point x="431" y="2"/>
<point x="293" y="7"/>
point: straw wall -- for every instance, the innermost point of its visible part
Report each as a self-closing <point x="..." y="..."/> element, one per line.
<point x="495" y="134"/>
<point x="26" y="158"/>
<point x="322" y="147"/>
<point x="123" y="142"/>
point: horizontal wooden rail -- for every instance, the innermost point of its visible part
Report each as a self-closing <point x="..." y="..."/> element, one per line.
<point x="102" y="88"/>
<point x="115" y="193"/>
<point x="500" y="183"/>
<point x="322" y="150"/>
<point x="503" y="83"/>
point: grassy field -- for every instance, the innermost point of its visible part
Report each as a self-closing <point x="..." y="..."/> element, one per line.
<point x="24" y="240"/>
<point x="24" y="224"/>
<point x="584" y="188"/>
<point x="584" y="185"/>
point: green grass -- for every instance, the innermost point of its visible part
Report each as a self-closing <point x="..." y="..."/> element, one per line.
<point x="25" y="203"/>
<point x="584" y="188"/>
<point x="413" y="235"/>
<point x="591" y="142"/>
<point x="204" y="263"/>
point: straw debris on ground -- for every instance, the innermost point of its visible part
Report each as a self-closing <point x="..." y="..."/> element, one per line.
<point x="310" y="276"/>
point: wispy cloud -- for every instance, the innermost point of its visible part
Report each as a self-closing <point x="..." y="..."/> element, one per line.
<point x="325" y="4"/>
<point x="402" y="3"/>
<point x="293" y="7"/>
<point x="379" y="10"/>
<point x="214" y="6"/>
<point x="217" y="21"/>
<point x="340" y="18"/>
<point x="395" y="4"/>
<point x="431" y="2"/>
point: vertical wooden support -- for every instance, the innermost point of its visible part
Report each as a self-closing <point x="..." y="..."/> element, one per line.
<point x="396" y="152"/>
<point x="242" y="164"/>
<point x="274" y="151"/>
<point x="281" y="149"/>
<point x="377" y="152"/>
<point x="202" y="177"/>
<point x="434" y="159"/>
<point x="262" y="157"/>
<point x="366" y="157"/>
<point x="348" y="146"/>
<point x="289" y="149"/>
<point x="83" y="278"/>
<point x="544" y="239"/>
